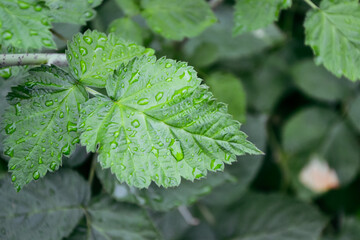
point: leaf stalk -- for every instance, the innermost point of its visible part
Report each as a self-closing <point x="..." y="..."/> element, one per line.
<point x="311" y="4"/>
<point x="10" y="60"/>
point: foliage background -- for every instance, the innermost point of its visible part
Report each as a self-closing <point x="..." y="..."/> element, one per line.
<point x="292" y="110"/>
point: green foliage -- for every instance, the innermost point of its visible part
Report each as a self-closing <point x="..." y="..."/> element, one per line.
<point x="281" y="218"/>
<point x="255" y="14"/>
<point x="41" y="124"/>
<point x="93" y="56"/>
<point x="49" y="209"/>
<point x="69" y="11"/>
<point x="130" y="7"/>
<point x="148" y="134"/>
<point x="333" y="33"/>
<point x="25" y="25"/>
<point x="163" y="17"/>
<point x="127" y="29"/>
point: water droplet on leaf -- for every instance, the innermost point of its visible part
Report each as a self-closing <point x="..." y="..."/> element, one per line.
<point x="36" y="175"/>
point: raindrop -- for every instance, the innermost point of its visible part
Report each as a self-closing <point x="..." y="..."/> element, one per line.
<point x="13" y="178"/>
<point x="49" y="103"/>
<point x="40" y="160"/>
<point x="122" y="166"/>
<point x="168" y="65"/>
<point x="76" y="71"/>
<point x="53" y="165"/>
<point x="5" y="73"/>
<point x="66" y="149"/>
<point x="36" y="175"/>
<point x="47" y="42"/>
<point x="61" y="115"/>
<point x="88" y="14"/>
<point x="88" y="40"/>
<point x="7" y="35"/>
<point x="83" y="66"/>
<point x="116" y="134"/>
<point x="71" y="127"/>
<point x="38" y="7"/>
<point x="45" y="21"/>
<point x="176" y="150"/>
<point x="168" y="79"/>
<point x="75" y="140"/>
<point x="83" y="51"/>
<point x="13" y="167"/>
<point x="27" y="133"/>
<point x="197" y="173"/>
<point x="134" y="77"/>
<point x="135" y="123"/>
<point x="9" y="152"/>
<point x="18" y="109"/>
<point x="159" y="96"/>
<point x="215" y="165"/>
<point x="143" y="101"/>
<point x="227" y="157"/>
<point x="113" y="145"/>
<point x="155" y="151"/>
<point x="33" y="33"/>
<point x="23" y="5"/>
<point x="10" y="128"/>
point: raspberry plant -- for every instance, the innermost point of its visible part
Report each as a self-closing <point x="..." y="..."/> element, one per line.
<point x="106" y="91"/>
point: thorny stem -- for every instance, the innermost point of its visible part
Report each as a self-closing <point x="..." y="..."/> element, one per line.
<point x="311" y="4"/>
<point x="9" y="60"/>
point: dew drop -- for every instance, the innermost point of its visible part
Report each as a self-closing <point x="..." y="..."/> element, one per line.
<point x="5" y="73"/>
<point x="61" y="115"/>
<point x="10" y="128"/>
<point x="45" y="21"/>
<point x="113" y="145"/>
<point x="168" y="65"/>
<point x="83" y="66"/>
<point x="186" y="76"/>
<point x="49" y="103"/>
<point x="227" y="157"/>
<point x="47" y="42"/>
<point x="176" y="150"/>
<point x="215" y="165"/>
<point x="13" y="167"/>
<point x="88" y="14"/>
<point x="40" y="160"/>
<point x="13" y="178"/>
<point x="38" y="7"/>
<point x="33" y="33"/>
<point x="66" y="149"/>
<point x="27" y="133"/>
<point x="83" y="51"/>
<point x="159" y="96"/>
<point x="7" y="35"/>
<point x="76" y="71"/>
<point x="168" y="79"/>
<point x="18" y="109"/>
<point x="9" y="152"/>
<point x="116" y="134"/>
<point x="155" y="151"/>
<point x="71" y="127"/>
<point x="36" y="175"/>
<point x="75" y="140"/>
<point x="197" y="173"/>
<point x="23" y="5"/>
<point x="143" y="101"/>
<point x="135" y="123"/>
<point x="122" y="166"/>
<point x="88" y="40"/>
<point x="53" y="165"/>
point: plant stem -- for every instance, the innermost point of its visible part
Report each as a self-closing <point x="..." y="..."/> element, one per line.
<point x="311" y="4"/>
<point x="9" y="60"/>
<point x="92" y="170"/>
<point x="186" y="214"/>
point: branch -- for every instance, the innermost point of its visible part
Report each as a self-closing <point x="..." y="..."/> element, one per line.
<point x="9" y="60"/>
<point x="311" y="4"/>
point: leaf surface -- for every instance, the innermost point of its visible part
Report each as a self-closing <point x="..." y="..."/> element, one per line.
<point x="70" y="11"/>
<point x="158" y="124"/>
<point x="49" y="209"/>
<point x="41" y="123"/>
<point x="177" y="19"/>
<point x="92" y="56"/>
<point x="24" y="25"/>
<point x="255" y="14"/>
<point x="127" y="29"/>
<point x="333" y="32"/>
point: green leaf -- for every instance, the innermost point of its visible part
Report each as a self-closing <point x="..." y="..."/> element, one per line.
<point x="93" y="56"/>
<point x="145" y="133"/>
<point x="228" y="89"/>
<point x="70" y="11"/>
<point x="217" y="43"/>
<point x="317" y="82"/>
<point x="49" y="209"/>
<point x="177" y="19"/>
<point x="333" y="32"/>
<point x="318" y="134"/>
<point x="41" y="124"/>
<point x="25" y="25"/>
<point x="349" y="230"/>
<point x="130" y="7"/>
<point x="255" y="14"/>
<point x="354" y="112"/>
<point x="157" y="198"/>
<point x="109" y="219"/>
<point x="264" y="217"/>
<point x="127" y="29"/>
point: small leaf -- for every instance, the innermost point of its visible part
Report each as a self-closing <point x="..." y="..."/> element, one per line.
<point x="163" y="17"/>
<point x="109" y="219"/>
<point x="260" y="216"/>
<point x="127" y="29"/>
<point x="228" y="89"/>
<point x="317" y="82"/>
<point x="130" y="7"/>
<point x="157" y="198"/>
<point x="92" y="56"/>
<point x="41" y="123"/>
<point x="70" y="11"/>
<point x="49" y="209"/>
<point x="333" y="32"/>
<point x="145" y="133"/>
<point x="255" y="14"/>
<point x="25" y="25"/>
